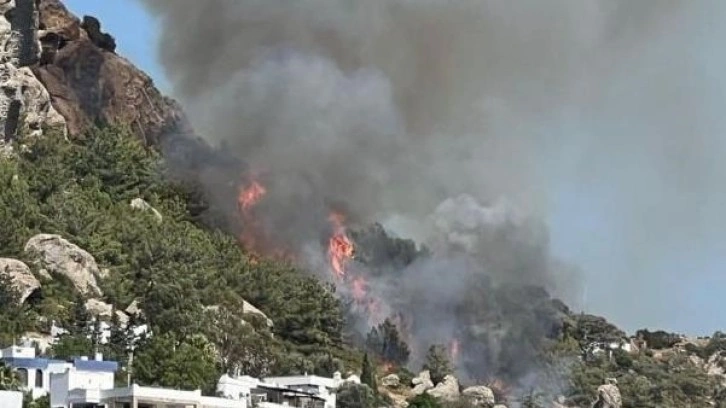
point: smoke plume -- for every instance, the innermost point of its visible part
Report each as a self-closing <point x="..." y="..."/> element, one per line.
<point x="457" y="123"/>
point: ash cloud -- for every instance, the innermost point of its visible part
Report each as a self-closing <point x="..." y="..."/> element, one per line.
<point x="400" y="109"/>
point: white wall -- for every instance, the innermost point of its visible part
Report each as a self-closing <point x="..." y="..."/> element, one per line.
<point x="62" y="383"/>
<point x="11" y="399"/>
<point x="59" y="390"/>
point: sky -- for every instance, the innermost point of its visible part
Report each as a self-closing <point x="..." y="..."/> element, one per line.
<point x="584" y="215"/>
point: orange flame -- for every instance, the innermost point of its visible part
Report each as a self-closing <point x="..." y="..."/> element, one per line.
<point x="340" y="247"/>
<point x="251" y="195"/>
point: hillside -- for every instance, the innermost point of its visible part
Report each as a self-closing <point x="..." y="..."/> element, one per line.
<point x="98" y="222"/>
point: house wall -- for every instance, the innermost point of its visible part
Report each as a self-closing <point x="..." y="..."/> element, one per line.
<point x="59" y="387"/>
<point x="11" y="399"/>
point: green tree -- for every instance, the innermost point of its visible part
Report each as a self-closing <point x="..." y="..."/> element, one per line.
<point x="9" y="380"/>
<point x="165" y="362"/>
<point x="71" y="345"/>
<point x="368" y="374"/>
<point x="81" y="322"/>
<point x="424" y="400"/>
<point x="239" y="345"/>
<point x="386" y="344"/>
<point x="14" y="316"/>
<point x="351" y="395"/>
<point x="437" y="362"/>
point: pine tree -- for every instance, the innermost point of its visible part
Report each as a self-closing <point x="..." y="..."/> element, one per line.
<point x="96" y="334"/>
<point x="81" y="319"/>
<point x="386" y="343"/>
<point x="368" y="375"/>
<point x="117" y="338"/>
<point x="437" y="362"/>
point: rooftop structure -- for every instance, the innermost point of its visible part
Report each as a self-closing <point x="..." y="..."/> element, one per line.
<point x="137" y="396"/>
<point x="35" y="372"/>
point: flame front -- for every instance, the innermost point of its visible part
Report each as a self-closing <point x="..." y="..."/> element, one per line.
<point x="251" y="195"/>
<point x="340" y="247"/>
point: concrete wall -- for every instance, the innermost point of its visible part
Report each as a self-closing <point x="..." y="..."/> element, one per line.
<point x="11" y="399"/>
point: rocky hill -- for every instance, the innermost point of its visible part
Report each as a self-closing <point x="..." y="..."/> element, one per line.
<point x="93" y="231"/>
<point x="59" y="70"/>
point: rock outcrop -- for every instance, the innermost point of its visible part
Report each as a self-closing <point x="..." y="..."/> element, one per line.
<point x="141" y="205"/>
<point x="58" y="256"/>
<point x="24" y="101"/>
<point x="23" y="279"/>
<point x="608" y="396"/>
<point x="479" y="396"/>
<point x="421" y="383"/>
<point x="447" y="389"/>
<point x="88" y="83"/>
<point x="105" y="311"/>
<point x="391" y="381"/>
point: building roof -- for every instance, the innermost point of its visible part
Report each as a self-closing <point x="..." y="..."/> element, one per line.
<point x="78" y="363"/>
<point x="37" y="363"/>
<point x="303" y="380"/>
<point x="95" y="365"/>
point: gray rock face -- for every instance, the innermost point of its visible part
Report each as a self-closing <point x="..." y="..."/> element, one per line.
<point x="22" y="278"/>
<point x="60" y="257"/>
<point x="479" y="395"/>
<point x="447" y="390"/>
<point x="391" y="380"/>
<point x="105" y="311"/>
<point x="422" y="382"/>
<point x="24" y="101"/>
<point x="608" y="396"/>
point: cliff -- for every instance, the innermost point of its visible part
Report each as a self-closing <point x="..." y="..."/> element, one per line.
<point x="59" y="70"/>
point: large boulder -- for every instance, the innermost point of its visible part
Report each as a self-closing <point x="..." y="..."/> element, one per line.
<point x="391" y="381"/>
<point x="90" y="84"/>
<point x="24" y="101"/>
<point x="479" y="396"/>
<point x="60" y="257"/>
<point x="447" y="389"/>
<point x="142" y="205"/>
<point x="715" y="366"/>
<point x="23" y="279"/>
<point x="105" y="311"/>
<point x="421" y="383"/>
<point x="608" y="396"/>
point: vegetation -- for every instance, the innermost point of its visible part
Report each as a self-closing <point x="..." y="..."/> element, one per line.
<point x="437" y="362"/>
<point x="191" y="281"/>
<point x="368" y="374"/>
<point x="386" y="344"/>
<point x="188" y="278"/>
<point x="352" y="395"/>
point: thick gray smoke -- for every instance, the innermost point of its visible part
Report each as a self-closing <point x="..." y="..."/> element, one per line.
<point x="415" y="112"/>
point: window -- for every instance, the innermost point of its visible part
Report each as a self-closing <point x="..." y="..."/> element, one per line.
<point x="38" y="378"/>
<point x="23" y="377"/>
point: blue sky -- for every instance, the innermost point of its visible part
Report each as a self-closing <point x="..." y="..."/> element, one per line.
<point x="582" y="218"/>
<point x="134" y="30"/>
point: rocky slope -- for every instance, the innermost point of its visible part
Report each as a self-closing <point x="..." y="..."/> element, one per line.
<point x="59" y="70"/>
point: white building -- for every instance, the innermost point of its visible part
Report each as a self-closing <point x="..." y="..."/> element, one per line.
<point x="139" y="397"/>
<point x="11" y="399"/>
<point x="302" y="391"/>
<point x="35" y="373"/>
